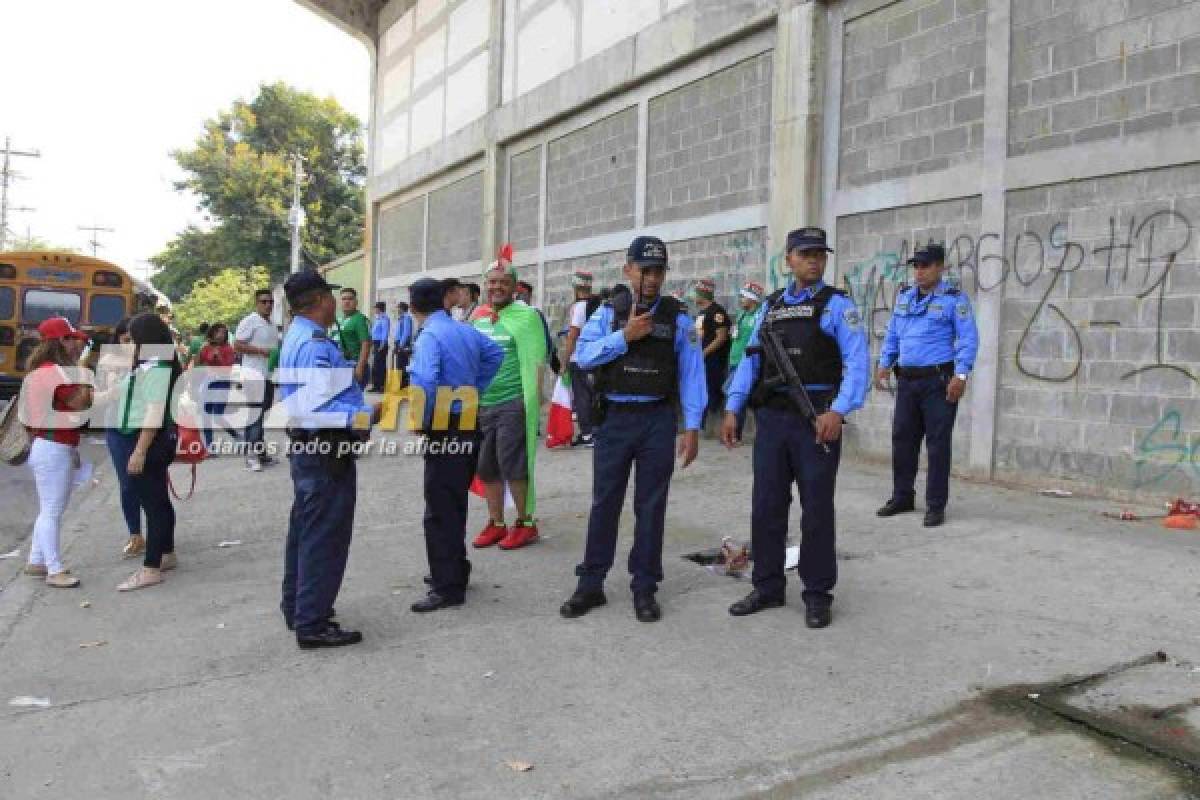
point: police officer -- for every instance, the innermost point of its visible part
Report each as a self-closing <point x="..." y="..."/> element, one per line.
<point x="823" y="335"/>
<point x="643" y="349"/>
<point x="327" y="417"/>
<point x="931" y="344"/>
<point x="447" y="354"/>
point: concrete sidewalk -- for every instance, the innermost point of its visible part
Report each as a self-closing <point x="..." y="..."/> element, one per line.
<point x="200" y="692"/>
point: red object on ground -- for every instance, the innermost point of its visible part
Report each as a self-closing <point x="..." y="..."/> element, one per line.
<point x="1180" y="522"/>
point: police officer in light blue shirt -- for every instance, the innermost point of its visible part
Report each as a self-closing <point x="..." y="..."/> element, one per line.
<point x="447" y="354"/>
<point x="380" y="329"/>
<point x="931" y="344"/>
<point x="823" y="335"/>
<point x="643" y="349"/>
<point x="327" y="418"/>
<point x="402" y="343"/>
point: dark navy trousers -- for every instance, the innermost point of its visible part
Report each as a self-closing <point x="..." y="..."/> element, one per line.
<point x="922" y="412"/>
<point x="449" y="466"/>
<point x="786" y="453"/>
<point x="318" y="540"/>
<point x="631" y="434"/>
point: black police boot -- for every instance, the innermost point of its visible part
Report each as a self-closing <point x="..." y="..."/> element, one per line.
<point x="893" y="507"/>
<point x="934" y="518"/>
<point x="330" y="636"/>
<point x="645" y="607"/>
<point x="753" y="603"/>
<point x="435" y="602"/>
<point x="582" y="602"/>
<point x="818" y="616"/>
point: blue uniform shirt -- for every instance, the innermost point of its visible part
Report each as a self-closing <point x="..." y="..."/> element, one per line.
<point x="842" y="321"/>
<point x="316" y="381"/>
<point x="448" y="353"/>
<point x="379" y="329"/>
<point x="403" y="330"/>
<point x="930" y="330"/>
<point x="599" y="344"/>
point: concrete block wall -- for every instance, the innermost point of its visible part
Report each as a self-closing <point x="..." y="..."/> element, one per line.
<point x="1100" y="370"/>
<point x="872" y="249"/>
<point x="402" y="238"/>
<point x="1090" y="70"/>
<point x="710" y="144"/>
<point x="455" y="222"/>
<point x="524" y="193"/>
<point x="591" y="178"/>
<point x="912" y="89"/>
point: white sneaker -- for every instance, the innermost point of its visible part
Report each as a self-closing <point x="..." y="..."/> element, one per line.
<point x="253" y="465"/>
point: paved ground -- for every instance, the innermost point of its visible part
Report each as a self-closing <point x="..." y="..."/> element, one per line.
<point x="199" y="692"/>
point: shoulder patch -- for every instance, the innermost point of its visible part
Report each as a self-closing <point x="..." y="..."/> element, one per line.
<point x="852" y="317"/>
<point x="319" y="334"/>
<point x="962" y="311"/>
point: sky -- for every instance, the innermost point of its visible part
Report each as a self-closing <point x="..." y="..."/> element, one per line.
<point x="106" y="89"/>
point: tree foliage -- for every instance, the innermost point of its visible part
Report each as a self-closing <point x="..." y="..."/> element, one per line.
<point x="36" y="244"/>
<point x="240" y="170"/>
<point x="225" y="297"/>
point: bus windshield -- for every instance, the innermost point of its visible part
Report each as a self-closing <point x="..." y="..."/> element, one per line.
<point x="40" y="305"/>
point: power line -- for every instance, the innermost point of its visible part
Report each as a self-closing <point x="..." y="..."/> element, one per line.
<point x="96" y="230"/>
<point x="7" y="174"/>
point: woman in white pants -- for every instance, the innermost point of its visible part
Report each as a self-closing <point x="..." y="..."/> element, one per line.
<point x="47" y="398"/>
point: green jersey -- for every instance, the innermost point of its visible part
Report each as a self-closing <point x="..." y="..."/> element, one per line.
<point x="506" y="385"/>
<point x="350" y="333"/>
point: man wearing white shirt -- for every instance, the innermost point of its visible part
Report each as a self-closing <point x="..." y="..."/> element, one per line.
<point x="255" y="338"/>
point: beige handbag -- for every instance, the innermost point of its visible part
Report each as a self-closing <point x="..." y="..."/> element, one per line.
<point x="14" y="437"/>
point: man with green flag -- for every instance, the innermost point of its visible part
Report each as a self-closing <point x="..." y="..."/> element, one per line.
<point x="508" y="410"/>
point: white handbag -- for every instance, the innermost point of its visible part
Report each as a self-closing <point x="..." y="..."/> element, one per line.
<point x="14" y="436"/>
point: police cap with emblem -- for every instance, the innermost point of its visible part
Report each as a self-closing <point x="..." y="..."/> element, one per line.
<point x="808" y="239"/>
<point x="929" y="254"/>
<point x="300" y="283"/>
<point x="648" y="251"/>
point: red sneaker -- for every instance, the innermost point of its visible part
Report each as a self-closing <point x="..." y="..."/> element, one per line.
<point x="490" y="535"/>
<point x="519" y="535"/>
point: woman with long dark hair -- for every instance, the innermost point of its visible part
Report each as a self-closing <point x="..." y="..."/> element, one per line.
<point x="112" y="366"/>
<point x="147" y="437"/>
<point x="54" y="453"/>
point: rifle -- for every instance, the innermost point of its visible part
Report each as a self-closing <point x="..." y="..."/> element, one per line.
<point x="771" y="345"/>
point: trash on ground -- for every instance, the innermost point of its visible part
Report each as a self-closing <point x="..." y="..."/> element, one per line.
<point x="1125" y="515"/>
<point x="230" y="543"/>
<point x="793" y="558"/>
<point x="86" y="604"/>
<point x="1055" y="493"/>
<point x="97" y="643"/>
<point x="25" y="701"/>
<point x="731" y="560"/>
<point x="11" y="554"/>
<point x="490" y="673"/>
<point x="1180" y="522"/>
<point x="1033" y="696"/>
<point x="519" y="766"/>
<point x="220" y="626"/>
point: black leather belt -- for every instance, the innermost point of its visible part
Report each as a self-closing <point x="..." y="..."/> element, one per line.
<point x="925" y="372"/>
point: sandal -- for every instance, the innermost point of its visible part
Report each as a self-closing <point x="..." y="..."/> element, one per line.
<point x="62" y="580"/>
<point x="135" y="546"/>
<point x="142" y="579"/>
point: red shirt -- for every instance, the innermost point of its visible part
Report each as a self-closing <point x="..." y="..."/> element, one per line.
<point x="212" y="355"/>
<point x="39" y="402"/>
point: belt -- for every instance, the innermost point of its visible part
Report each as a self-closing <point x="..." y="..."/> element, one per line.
<point x="821" y="398"/>
<point x="634" y="406"/>
<point x="946" y="368"/>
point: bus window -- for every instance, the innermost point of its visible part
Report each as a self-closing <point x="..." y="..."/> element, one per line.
<point x="106" y="310"/>
<point x="42" y="304"/>
<point x="8" y="302"/>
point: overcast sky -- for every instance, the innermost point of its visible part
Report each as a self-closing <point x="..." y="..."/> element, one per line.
<point x="105" y="89"/>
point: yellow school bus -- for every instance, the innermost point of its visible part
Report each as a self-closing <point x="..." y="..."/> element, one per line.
<point x="93" y="294"/>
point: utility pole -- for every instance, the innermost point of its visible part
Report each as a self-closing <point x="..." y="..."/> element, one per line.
<point x="6" y="175"/>
<point x="296" y="214"/>
<point x="96" y="230"/>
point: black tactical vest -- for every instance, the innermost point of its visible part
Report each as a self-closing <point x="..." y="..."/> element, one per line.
<point x="650" y="366"/>
<point x="820" y="359"/>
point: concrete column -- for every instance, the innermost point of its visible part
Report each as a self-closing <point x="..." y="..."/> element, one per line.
<point x="796" y="121"/>
<point x="984" y="385"/>
<point x="494" y="156"/>
<point x="370" y="251"/>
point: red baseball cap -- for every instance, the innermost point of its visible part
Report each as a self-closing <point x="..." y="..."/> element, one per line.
<point x="60" y="328"/>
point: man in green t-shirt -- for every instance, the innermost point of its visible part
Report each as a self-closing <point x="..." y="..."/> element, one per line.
<point x="197" y="342"/>
<point x="749" y="298"/>
<point x="352" y="334"/>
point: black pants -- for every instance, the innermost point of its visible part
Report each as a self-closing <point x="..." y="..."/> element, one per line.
<point x="153" y="495"/>
<point x="786" y="453"/>
<point x="922" y="412"/>
<point x="716" y="367"/>
<point x="632" y="433"/>
<point x="401" y="359"/>
<point x="256" y="430"/>
<point x="581" y="398"/>
<point x="379" y="362"/>
<point x="318" y="540"/>
<point x="449" y="466"/>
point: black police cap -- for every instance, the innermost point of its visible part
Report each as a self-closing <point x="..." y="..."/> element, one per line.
<point x="808" y="239"/>
<point x="426" y="294"/>
<point x="299" y="283"/>
<point x="929" y="254"/>
<point x="648" y="251"/>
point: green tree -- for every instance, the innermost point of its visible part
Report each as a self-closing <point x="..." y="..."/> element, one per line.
<point x="36" y="244"/>
<point x="241" y="174"/>
<point x="225" y="297"/>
